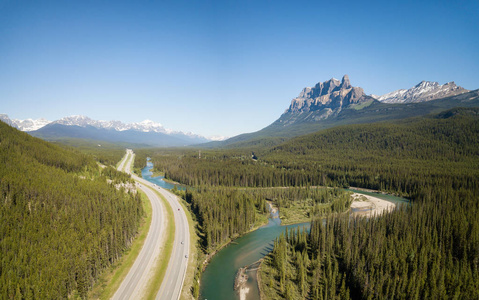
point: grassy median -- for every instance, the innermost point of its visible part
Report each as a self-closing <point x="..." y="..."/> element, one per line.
<point x="159" y="272"/>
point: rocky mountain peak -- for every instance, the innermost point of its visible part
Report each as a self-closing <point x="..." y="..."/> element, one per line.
<point x="423" y="91"/>
<point x="325" y="99"/>
<point x="345" y="84"/>
<point x="25" y="125"/>
<point x="331" y="94"/>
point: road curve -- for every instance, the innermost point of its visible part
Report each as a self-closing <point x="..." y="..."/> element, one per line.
<point x="139" y="273"/>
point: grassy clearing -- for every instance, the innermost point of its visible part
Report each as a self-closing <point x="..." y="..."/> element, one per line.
<point x="261" y="219"/>
<point x="362" y="105"/>
<point x="110" y="281"/>
<point x="297" y="212"/>
<point x="159" y="271"/>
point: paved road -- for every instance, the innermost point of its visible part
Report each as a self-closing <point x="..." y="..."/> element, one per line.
<point x="138" y="275"/>
<point x="137" y="278"/>
<point x="123" y="161"/>
<point x="175" y="274"/>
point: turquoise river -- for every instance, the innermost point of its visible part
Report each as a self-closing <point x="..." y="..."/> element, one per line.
<point x="217" y="281"/>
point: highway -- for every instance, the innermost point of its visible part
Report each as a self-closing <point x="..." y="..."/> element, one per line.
<point x="140" y="273"/>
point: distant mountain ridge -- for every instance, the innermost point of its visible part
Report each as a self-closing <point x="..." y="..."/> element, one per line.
<point x="24" y="125"/>
<point x="423" y="91"/>
<point x="58" y="132"/>
<point x="105" y="130"/>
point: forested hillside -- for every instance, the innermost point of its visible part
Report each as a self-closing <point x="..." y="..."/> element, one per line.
<point x="397" y="158"/>
<point x="429" y="250"/>
<point x="426" y="250"/>
<point x="63" y="219"/>
<point x="226" y="212"/>
<point x="103" y="152"/>
<point x="365" y="113"/>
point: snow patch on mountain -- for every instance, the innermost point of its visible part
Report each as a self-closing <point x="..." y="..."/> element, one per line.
<point x="423" y="91"/>
<point x="218" y="138"/>
<point x="84" y="121"/>
<point x="30" y="124"/>
<point x="24" y="125"/>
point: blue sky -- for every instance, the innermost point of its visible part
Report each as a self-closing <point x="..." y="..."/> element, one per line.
<point x="221" y="67"/>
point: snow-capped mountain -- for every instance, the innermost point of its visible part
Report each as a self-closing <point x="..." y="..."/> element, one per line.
<point x="146" y="126"/>
<point x="30" y="124"/>
<point x="83" y="121"/>
<point x="4" y="118"/>
<point x="218" y="138"/>
<point x="25" y="125"/>
<point x="424" y="91"/>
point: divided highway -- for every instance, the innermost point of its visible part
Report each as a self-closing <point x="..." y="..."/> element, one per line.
<point x="140" y="272"/>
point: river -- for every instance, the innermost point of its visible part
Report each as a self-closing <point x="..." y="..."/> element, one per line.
<point x="217" y="281"/>
<point x="159" y="180"/>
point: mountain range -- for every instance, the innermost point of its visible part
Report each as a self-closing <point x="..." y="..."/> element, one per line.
<point x="147" y="132"/>
<point x="327" y="104"/>
<point x="423" y="91"/>
<point x="333" y="102"/>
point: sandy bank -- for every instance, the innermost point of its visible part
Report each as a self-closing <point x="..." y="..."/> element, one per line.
<point x="243" y="292"/>
<point x="366" y="205"/>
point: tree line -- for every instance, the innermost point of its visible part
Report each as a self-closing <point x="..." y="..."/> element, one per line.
<point x="426" y="250"/>
<point x="429" y="250"/>
<point x="63" y="220"/>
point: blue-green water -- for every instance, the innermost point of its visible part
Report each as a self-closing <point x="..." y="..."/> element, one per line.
<point x="217" y="281"/>
<point x="218" y="278"/>
<point x="146" y="174"/>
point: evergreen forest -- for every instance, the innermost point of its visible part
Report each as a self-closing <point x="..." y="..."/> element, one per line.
<point x="429" y="249"/>
<point x="64" y="219"/>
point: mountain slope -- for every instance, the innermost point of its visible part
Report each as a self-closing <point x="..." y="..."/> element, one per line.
<point x="56" y="131"/>
<point x="107" y="128"/>
<point x="434" y="161"/>
<point x="63" y="223"/>
<point x="424" y="91"/>
<point x="368" y="110"/>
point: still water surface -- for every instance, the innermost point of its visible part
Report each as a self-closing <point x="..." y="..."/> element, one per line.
<point x="146" y="174"/>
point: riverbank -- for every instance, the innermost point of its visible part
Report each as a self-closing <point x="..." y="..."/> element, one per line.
<point x="156" y="173"/>
<point x="352" y="188"/>
<point x="366" y="205"/>
<point x="262" y="221"/>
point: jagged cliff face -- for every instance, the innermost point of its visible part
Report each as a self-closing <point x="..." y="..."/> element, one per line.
<point x="323" y="100"/>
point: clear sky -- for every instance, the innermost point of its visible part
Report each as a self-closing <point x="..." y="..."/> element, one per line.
<point x="221" y="67"/>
